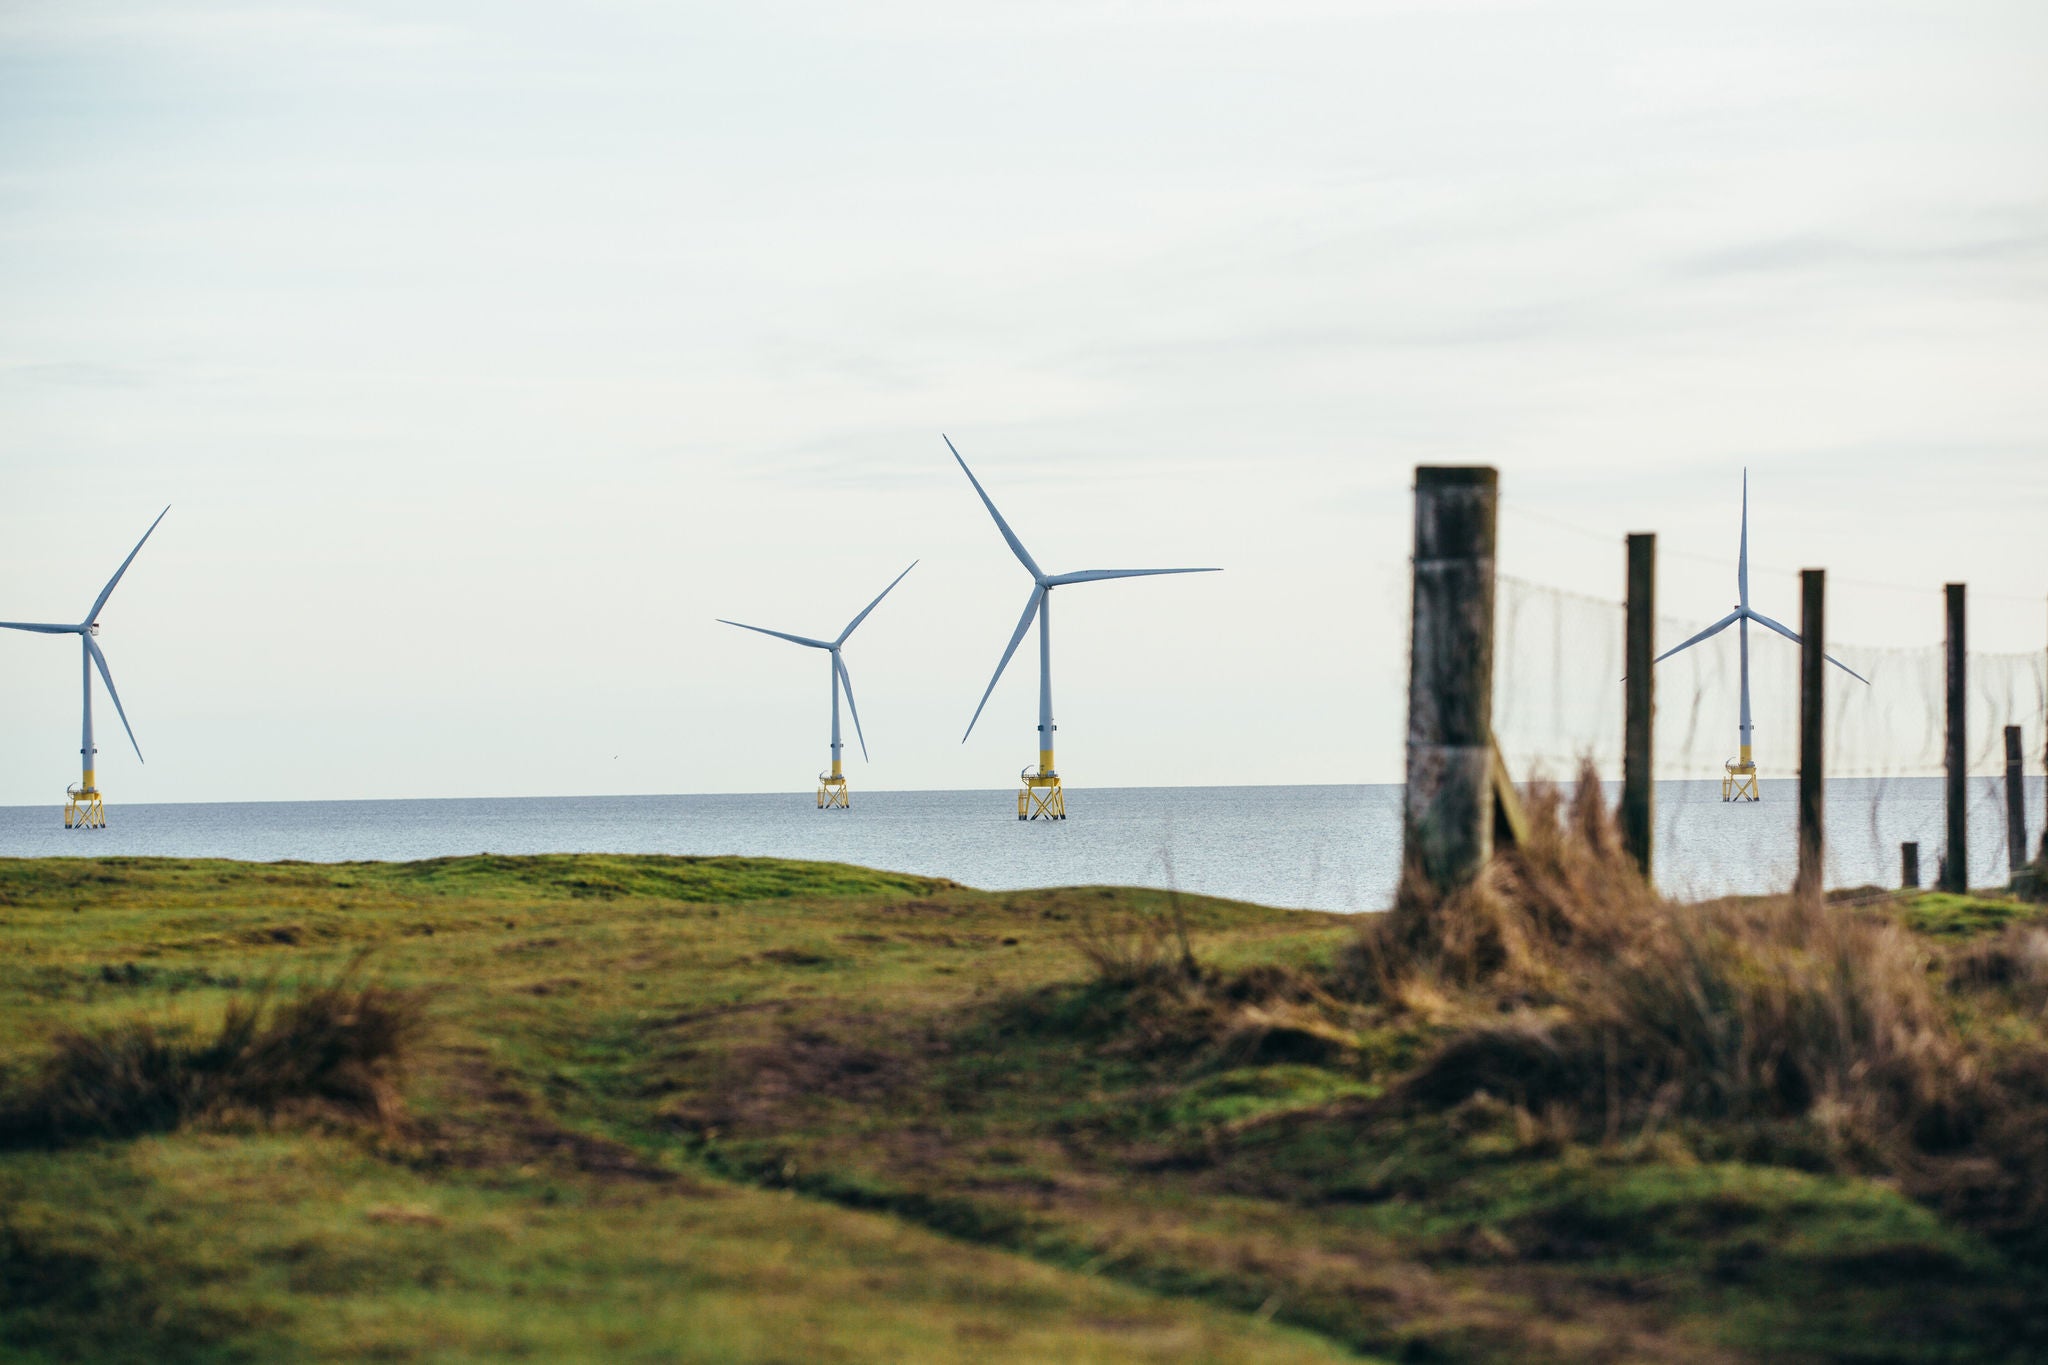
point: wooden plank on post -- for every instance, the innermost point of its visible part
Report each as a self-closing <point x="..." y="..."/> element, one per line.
<point x="1955" y="863"/>
<point x="2015" y="802"/>
<point x="1638" y="797"/>
<point x="1448" y="807"/>
<point x="1812" y="712"/>
<point x="1510" y="816"/>
<point x="1909" y="866"/>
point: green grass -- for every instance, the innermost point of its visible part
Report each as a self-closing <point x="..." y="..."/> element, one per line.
<point x="753" y="1110"/>
<point x="1943" y="914"/>
<point x="283" y="1247"/>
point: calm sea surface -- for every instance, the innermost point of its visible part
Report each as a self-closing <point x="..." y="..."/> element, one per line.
<point x="1331" y="848"/>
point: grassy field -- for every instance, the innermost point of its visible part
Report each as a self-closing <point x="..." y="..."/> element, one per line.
<point x="671" y="1109"/>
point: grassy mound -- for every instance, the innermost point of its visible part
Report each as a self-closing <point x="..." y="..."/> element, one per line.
<point x="741" y="1110"/>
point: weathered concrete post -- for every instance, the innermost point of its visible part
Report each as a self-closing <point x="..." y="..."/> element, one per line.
<point x="1955" y="865"/>
<point x="1813" y="587"/>
<point x="1909" y="866"/>
<point x="1638" y="796"/>
<point x="2015" y="802"/>
<point x="1448" y="809"/>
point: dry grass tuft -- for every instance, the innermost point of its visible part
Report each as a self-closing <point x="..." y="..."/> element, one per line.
<point x="337" y="1048"/>
<point x="2015" y="961"/>
<point x="1571" y="892"/>
<point x="1132" y="948"/>
<point x="1568" y="982"/>
<point x="1568" y="988"/>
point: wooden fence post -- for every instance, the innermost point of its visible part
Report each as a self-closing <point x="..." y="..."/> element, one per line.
<point x="1638" y="795"/>
<point x="1447" y="810"/>
<point x="1955" y="865"/>
<point x="1812" y="713"/>
<point x="2015" y="802"/>
<point x="1909" y="866"/>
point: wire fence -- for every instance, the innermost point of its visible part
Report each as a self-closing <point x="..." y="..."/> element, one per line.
<point x="1558" y="702"/>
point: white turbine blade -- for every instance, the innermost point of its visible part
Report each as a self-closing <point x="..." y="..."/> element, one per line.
<point x="780" y="635"/>
<point x="871" y="606"/>
<point x="1846" y="669"/>
<point x="92" y="648"/>
<point x="1016" y="545"/>
<point x="846" y="680"/>
<point x="1742" y="554"/>
<point x="1783" y="630"/>
<point x="108" y="591"/>
<point x="38" y="627"/>
<point x="1764" y="620"/>
<point x="1730" y="619"/>
<point x="1023" y="624"/>
<point x="1092" y="575"/>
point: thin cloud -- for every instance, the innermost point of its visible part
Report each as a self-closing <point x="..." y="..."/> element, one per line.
<point x="1810" y="254"/>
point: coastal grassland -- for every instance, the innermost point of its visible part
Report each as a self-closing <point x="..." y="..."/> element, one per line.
<point x="744" y="1109"/>
<point x="529" y="1202"/>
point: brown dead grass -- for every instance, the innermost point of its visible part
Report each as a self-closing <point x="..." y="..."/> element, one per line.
<point x="1570" y="987"/>
<point x="337" y="1048"/>
<point x="2015" y="962"/>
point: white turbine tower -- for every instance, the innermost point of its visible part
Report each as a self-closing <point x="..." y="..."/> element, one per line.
<point x="832" y="793"/>
<point x="1740" y="782"/>
<point x="83" y="808"/>
<point x="1041" y="796"/>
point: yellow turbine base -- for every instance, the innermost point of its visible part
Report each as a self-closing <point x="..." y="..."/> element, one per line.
<point x="83" y="809"/>
<point x="1040" y="798"/>
<point x="832" y="793"/>
<point x="1739" y="782"/>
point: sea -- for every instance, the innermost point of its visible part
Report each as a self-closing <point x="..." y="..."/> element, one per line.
<point x="1314" y="847"/>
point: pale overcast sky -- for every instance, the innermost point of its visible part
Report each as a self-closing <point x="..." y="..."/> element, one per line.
<point x="487" y="353"/>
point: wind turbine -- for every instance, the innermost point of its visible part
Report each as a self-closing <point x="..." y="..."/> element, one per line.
<point x="1740" y="782"/>
<point x="832" y="786"/>
<point x="1040" y="797"/>
<point x="83" y="808"/>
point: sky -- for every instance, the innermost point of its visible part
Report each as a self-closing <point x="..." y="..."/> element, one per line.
<point x="486" y="353"/>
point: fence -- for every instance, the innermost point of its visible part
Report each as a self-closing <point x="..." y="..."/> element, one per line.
<point x="1558" y="701"/>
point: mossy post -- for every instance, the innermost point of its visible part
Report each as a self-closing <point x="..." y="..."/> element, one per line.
<point x="1448" y="808"/>
<point x="2015" y="802"/>
<point x="1955" y="867"/>
<point x="1813" y="596"/>
<point x="1638" y="798"/>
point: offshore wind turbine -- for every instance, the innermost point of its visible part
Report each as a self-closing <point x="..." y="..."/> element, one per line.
<point x="1041" y="796"/>
<point x="83" y="808"/>
<point x="832" y="794"/>
<point x="1739" y="784"/>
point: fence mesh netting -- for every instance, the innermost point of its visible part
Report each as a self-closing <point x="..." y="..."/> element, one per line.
<point x="1558" y="701"/>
